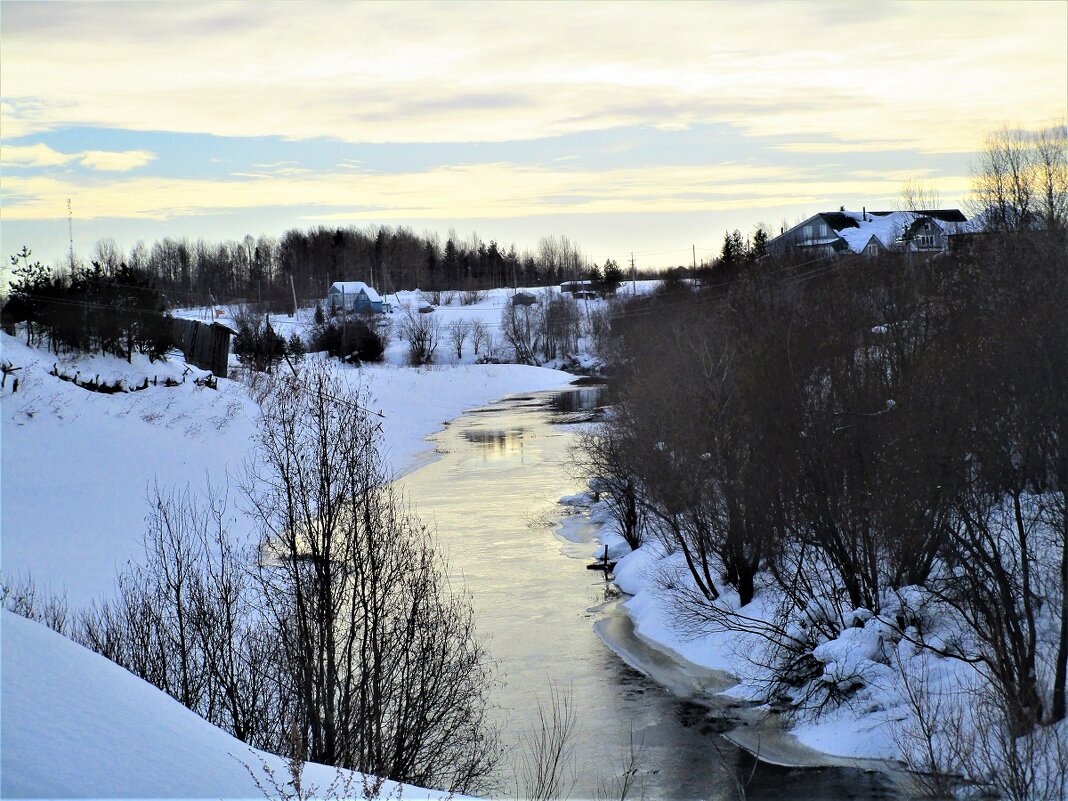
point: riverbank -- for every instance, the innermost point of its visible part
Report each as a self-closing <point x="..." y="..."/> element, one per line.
<point x="654" y="642"/>
<point x="876" y="692"/>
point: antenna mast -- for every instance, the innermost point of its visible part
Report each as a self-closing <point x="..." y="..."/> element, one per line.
<point x="70" y="232"/>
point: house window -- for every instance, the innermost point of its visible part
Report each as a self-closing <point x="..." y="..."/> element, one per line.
<point x="872" y="250"/>
<point x="806" y="232"/>
<point x="925" y="242"/>
<point x="823" y="231"/>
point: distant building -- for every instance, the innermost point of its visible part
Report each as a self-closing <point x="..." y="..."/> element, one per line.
<point x="579" y="289"/>
<point x="523" y="299"/>
<point x="870" y="233"/>
<point x="355" y="296"/>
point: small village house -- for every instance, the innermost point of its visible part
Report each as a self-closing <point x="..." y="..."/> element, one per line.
<point x="355" y="296"/>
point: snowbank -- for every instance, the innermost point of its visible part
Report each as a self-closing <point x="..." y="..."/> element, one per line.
<point x="76" y="725"/>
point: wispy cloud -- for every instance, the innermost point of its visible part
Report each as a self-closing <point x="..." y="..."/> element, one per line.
<point x="110" y="161"/>
<point x="873" y="146"/>
<point x="498" y="190"/>
<point x="932" y="76"/>
<point x="41" y="155"/>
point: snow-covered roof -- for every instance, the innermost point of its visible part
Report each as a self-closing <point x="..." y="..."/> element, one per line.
<point x="856" y="228"/>
<point x="885" y="227"/>
<point x="354" y="288"/>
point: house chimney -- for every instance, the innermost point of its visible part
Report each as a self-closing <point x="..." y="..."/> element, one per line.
<point x="864" y="211"/>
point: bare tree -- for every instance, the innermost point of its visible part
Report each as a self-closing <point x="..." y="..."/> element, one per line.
<point x="458" y="332"/>
<point x="521" y="327"/>
<point x="422" y="332"/>
<point x="560" y="318"/>
<point x="1020" y="180"/>
<point x="603" y="458"/>
<point x="548" y="768"/>
<point x="382" y="655"/>
<point x="1051" y="175"/>
<point x="918" y="195"/>
<point x="479" y="335"/>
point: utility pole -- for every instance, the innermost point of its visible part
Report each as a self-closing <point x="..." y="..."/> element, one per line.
<point x="294" y="291"/>
<point x="633" y="275"/>
<point x="694" y="257"/>
<point x="344" y="326"/>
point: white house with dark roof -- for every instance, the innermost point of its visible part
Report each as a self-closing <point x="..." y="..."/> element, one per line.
<point x="355" y="296"/>
<point x="870" y="233"/>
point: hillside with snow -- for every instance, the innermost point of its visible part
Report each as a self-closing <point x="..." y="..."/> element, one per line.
<point x="75" y="725"/>
<point x="77" y="467"/>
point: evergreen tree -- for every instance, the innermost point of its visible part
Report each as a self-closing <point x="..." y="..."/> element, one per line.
<point x="759" y="247"/>
<point x="613" y="275"/>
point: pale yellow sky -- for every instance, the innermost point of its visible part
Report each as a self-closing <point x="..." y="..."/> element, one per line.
<point x="457" y="112"/>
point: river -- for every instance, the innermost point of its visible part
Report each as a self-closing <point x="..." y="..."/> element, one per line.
<point x="492" y="495"/>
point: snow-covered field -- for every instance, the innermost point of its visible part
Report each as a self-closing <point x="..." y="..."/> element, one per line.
<point x="486" y="310"/>
<point x="76" y="469"/>
<point x="77" y="465"/>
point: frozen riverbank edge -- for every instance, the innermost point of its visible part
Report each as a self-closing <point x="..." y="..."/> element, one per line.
<point x="634" y="629"/>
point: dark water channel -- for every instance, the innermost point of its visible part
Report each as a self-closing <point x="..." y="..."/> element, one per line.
<point x="493" y="495"/>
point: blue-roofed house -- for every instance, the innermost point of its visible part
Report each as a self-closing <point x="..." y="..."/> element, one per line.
<point x="355" y="296"/>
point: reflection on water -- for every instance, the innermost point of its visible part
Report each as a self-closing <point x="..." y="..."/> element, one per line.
<point x="493" y="498"/>
<point x="497" y="444"/>
<point x="579" y="399"/>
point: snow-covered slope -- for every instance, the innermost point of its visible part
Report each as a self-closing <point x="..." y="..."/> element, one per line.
<point x="75" y="725"/>
<point x="76" y="468"/>
<point x="77" y="465"/>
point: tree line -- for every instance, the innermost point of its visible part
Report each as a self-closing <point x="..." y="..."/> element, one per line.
<point x="94" y="309"/>
<point x="271" y="270"/>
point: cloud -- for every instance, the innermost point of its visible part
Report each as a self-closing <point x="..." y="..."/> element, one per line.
<point x="41" y="155"/>
<point x="931" y="76"/>
<point x="116" y="161"/>
<point x="488" y="190"/>
<point x="874" y="146"/>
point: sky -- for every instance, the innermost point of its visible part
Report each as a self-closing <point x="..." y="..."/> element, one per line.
<point x="644" y="128"/>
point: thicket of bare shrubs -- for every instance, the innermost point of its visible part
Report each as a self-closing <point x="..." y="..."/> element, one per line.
<point x="542" y="331"/>
<point x="844" y="432"/>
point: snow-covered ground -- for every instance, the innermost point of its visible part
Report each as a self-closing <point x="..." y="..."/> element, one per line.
<point x="76" y="469"/>
<point x="76" y="725"/>
<point x="77" y="465"/>
<point x="487" y="310"/>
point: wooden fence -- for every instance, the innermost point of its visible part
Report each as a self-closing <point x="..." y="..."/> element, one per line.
<point x="205" y="345"/>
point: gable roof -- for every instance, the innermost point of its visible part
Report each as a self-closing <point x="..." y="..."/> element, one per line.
<point x="354" y="288"/>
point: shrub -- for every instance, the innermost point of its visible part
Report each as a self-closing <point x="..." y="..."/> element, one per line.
<point x="257" y="345"/>
<point x="348" y="340"/>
